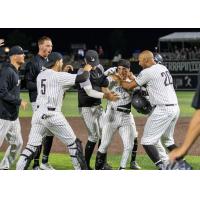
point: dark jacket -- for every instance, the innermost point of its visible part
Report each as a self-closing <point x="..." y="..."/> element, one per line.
<point x="9" y="92"/>
<point x="98" y="80"/>
<point x="32" y="69"/>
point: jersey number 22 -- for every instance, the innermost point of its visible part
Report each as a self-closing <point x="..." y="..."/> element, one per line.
<point x="168" y="78"/>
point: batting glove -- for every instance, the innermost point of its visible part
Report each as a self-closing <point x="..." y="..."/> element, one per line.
<point x="110" y="71"/>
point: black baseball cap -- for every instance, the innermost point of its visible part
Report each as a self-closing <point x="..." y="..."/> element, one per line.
<point x="124" y="63"/>
<point x="16" y="50"/>
<point x="53" y="58"/>
<point x="92" y="58"/>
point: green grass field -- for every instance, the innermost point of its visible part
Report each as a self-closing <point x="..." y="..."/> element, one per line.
<point x="70" y="105"/>
<point x="63" y="162"/>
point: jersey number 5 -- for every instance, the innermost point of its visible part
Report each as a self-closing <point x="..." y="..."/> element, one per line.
<point x="168" y="78"/>
<point x="43" y="86"/>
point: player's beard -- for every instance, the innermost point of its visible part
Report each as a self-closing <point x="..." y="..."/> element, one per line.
<point x="20" y="62"/>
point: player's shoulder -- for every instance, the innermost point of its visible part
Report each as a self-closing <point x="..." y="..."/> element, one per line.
<point x="47" y="72"/>
<point x="100" y="67"/>
<point x="6" y="69"/>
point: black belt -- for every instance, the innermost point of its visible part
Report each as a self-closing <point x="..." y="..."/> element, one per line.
<point x="49" y="108"/>
<point x="165" y="105"/>
<point x="127" y="111"/>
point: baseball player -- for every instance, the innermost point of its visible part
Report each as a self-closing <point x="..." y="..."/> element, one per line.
<point x="9" y="106"/>
<point x="89" y="102"/>
<point x="48" y="118"/>
<point x="118" y="116"/>
<point x="33" y="68"/>
<point x="162" y="96"/>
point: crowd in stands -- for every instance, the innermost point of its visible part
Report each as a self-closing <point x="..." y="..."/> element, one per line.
<point x="191" y="53"/>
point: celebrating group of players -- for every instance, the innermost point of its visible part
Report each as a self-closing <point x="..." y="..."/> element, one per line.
<point x="47" y="81"/>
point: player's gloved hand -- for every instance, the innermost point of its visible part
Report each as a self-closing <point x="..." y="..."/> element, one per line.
<point x="1" y="42"/>
<point x="24" y="105"/>
<point x="110" y="71"/>
<point x="111" y="96"/>
<point x="87" y="67"/>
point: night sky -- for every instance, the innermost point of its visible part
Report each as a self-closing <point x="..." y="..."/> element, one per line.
<point x="128" y="40"/>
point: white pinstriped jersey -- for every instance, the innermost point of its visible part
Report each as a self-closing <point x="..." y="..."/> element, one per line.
<point x="124" y="95"/>
<point x="51" y="86"/>
<point x="159" y="85"/>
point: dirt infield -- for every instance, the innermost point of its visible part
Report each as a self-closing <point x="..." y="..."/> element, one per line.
<point x="116" y="146"/>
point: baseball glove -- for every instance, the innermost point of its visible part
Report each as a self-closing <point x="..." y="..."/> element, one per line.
<point x="140" y="102"/>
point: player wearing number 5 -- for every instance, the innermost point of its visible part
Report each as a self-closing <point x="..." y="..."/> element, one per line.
<point x="162" y="120"/>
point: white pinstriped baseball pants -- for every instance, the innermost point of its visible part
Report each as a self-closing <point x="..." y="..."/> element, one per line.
<point x="11" y="131"/>
<point x="51" y="123"/>
<point x="125" y="123"/>
<point x="160" y="125"/>
<point x="93" y="118"/>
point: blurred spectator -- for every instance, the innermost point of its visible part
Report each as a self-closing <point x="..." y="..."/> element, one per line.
<point x="116" y="58"/>
<point x="100" y="52"/>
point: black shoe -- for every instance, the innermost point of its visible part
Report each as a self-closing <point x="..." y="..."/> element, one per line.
<point x="36" y="168"/>
<point x="89" y="168"/>
<point x="134" y="165"/>
<point x="121" y="168"/>
<point x="107" y="167"/>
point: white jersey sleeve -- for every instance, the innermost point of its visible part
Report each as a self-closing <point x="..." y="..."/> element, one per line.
<point x="87" y="82"/>
<point x="93" y="93"/>
<point x="66" y="79"/>
<point x="143" y="77"/>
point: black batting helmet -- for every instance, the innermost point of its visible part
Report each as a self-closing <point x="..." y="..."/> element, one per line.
<point x="141" y="103"/>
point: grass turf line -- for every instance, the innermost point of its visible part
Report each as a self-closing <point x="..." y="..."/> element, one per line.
<point x="63" y="161"/>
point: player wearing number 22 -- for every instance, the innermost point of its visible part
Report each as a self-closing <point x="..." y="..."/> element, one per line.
<point x="162" y="120"/>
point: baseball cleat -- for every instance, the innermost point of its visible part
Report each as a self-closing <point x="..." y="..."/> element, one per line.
<point x="107" y="167"/>
<point x="46" y="166"/>
<point x="134" y="165"/>
<point x="36" y="168"/>
<point x="121" y="168"/>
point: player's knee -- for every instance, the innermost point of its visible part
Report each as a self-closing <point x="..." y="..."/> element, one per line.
<point x="148" y="141"/>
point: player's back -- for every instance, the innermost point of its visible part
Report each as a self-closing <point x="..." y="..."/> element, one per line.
<point x="50" y="89"/>
<point x="159" y="85"/>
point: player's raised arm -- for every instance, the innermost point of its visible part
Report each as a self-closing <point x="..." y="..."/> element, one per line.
<point x="128" y="85"/>
<point x="80" y="78"/>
